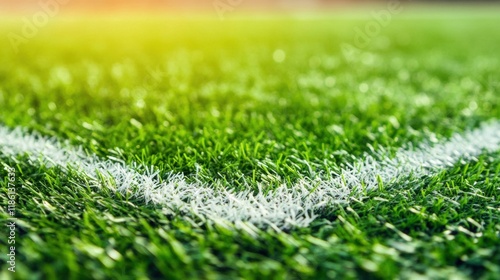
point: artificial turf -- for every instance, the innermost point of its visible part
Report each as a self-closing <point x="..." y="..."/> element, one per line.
<point x="206" y="98"/>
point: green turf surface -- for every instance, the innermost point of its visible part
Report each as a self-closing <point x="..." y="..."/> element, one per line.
<point x="206" y="97"/>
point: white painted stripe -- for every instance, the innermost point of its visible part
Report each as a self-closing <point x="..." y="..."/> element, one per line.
<point x="283" y="207"/>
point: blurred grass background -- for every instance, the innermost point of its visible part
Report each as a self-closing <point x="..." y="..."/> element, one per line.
<point x="210" y="92"/>
<point x="259" y="99"/>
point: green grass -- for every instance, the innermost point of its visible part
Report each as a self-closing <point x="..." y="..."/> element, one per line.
<point x="205" y="97"/>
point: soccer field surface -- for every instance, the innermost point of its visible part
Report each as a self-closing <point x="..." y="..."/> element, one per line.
<point x="286" y="147"/>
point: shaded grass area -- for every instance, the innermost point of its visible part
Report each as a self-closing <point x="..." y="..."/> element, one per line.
<point x="207" y="98"/>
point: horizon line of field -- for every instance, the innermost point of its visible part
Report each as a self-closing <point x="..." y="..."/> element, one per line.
<point x="279" y="208"/>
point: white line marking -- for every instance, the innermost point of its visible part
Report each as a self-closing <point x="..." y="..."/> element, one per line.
<point x="284" y="207"/>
